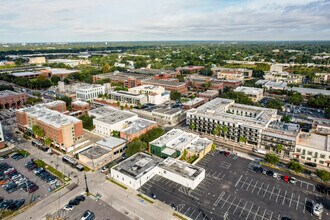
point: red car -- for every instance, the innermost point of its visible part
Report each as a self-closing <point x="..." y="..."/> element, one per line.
<point x="286" y="178"/>
<point x="227" y="154"/>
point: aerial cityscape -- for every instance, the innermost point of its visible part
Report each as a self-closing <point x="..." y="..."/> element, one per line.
<point x="165" y="110"/>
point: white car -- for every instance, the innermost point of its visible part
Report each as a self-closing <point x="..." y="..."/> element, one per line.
<point x="317" y="209"/>
<point x="68" y="207"/>
<point x="103" y="169"/>
<point x="275" y="175"/>
<point x="293" y="180"/>
<point x="52" y="182"/>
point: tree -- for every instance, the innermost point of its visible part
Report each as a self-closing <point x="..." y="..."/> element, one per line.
<point x="279" y="148"/>
<point x="274" y="103"/>
<point x="115" y="133"/>
<point x="37" y="131"/>
<point x="152" y="134"/>
<point x="296" y="166"/>
<point x="323" y="175"/>
<point x="214" y="147"/>
<point x="175" y="95"/>
<point x="87" y="122"/>
<point x="106" y="68"/>
<point x="217" y="130"/>
<point x="192" y="126"/>
<point x="48" y="141"/>
<point x="286" y="119"/>
<point x="135" y="146"/>
<point x="272" y="158"/>
<point x="295" y="99"/>
<point x="239" y="97"/>
<point x="55" y="79"/>
<point x="184" y="155"/>
<point x="242" y="139"/>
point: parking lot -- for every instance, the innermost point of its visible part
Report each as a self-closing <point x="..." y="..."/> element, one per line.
<point x="100" y="209"/>
<point x="232" y="188"/>
<point x="39" y="194"/>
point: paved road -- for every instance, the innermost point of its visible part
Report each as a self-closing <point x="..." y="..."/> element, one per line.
<point x="122" y="200"/>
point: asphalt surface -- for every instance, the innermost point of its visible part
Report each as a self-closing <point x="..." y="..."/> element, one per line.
<point x="232" y="189"/>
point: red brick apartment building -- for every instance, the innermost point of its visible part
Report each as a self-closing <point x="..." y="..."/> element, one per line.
<point x="10" y="99"/>
<point x="57" y="105"/>
<point x="64" y="130"/>
<point x="81" y="106"/>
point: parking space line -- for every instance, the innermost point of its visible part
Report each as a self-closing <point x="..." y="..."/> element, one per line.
<point x="239" y="179"/>
<point x="237" y="205"/>
<point x="297" y="202"/>
<point x="249" y="185"/>
<point x="225" y="201"/>
<point x="266" y="190"/>
<point x="249" y="212"/>
<point x="260" y="188"/>
<point x="244" y="182"/>
<point x="291" y="200"/>
<point x="186" y="211"/>
<point x="243" y="209"/>
<point x="232" y="202"/>
<point x="192" y="213"/>
<point x="305" y="206"/>
<point x="182" y="207"/>
<point x="271" y="215"/>
<point x="278" y="195"/>
<point x="264" y="214"/>
<point x="256" y="213"/>
<point x="219" y="198"/>
<point x="255" y="186"/>
<point x="284" y="197"/>
<point x="198" y="215"/>
<point x="270" y="197"/>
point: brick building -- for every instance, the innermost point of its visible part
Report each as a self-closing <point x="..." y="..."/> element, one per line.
<point x="197" y="82"/>
<point x="57" y="105"/>
<point x="10" y="99"/>
<point x="2" y="139"/>
<point x="209" y="95"/>
<point x="64" y="130"/>
<point x="170" y="85"/>
<point x="81" y="106"/>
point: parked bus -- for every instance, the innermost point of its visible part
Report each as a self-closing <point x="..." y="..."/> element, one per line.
<point x="80" y="167"/>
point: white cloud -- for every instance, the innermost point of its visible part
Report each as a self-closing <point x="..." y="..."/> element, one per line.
<point x="76" y="20"/>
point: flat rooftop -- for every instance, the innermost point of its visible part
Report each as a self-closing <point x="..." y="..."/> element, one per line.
<point x="193" y="101"/>
<point x="198" y="144"/>
<point x="80" y="103"/>
<point x="163" y="82"/>
<point x="102" y="111"/>
<point x="209" y="93"/>
<point x="6" y="93"/>
<point x="126" y="94"/>
<point x="316" y="141"/>
<point x="138" y="164"/>
<point x="115" y="117"/>
<point x="94" y="152"/>
<point x="122" y="76"/>
<point x="152" y="71"/>
<point x="89" y="86"/>
<point x="62" y="71"/>
<point x="249" y="90"/>
<point x="181" y="141"/>
<point x="310" y="91"/>
<point x="169" y="136"/>
<point x="111" y="142"/>
<point x="170" y="111"/>
<point x="48" y="116"/>
<point x="138" y="125"/>
<point x="55" y="103"/>
<point x="27" y="73"/>
<point x="181" y="168"/>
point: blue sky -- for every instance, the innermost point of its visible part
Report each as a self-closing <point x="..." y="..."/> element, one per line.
<point x="144" y="20"/>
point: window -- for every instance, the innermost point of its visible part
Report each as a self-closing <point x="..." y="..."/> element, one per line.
<point x="308" y="158"/>
<point x="321" y="162"/>
<point x="302" y="157"/>
<point x="322" y="156"/>
<point x="309" y="152"/>
<point x="298" y="150"/>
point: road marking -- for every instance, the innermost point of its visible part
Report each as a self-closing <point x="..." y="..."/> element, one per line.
<point x="219" y="198"/>
<point x="270" y="197"/>
<point x="239" y="179"/>
<point x="271" y="215"/>
<point x="232" y="202"/>
<point x="186" y="211"/>
<point x="198" y="215"/>
<point x="260" y="188"/>
<point x="264" y="214"/>
<point x="284" y="197"/>
<point x="297" y="202"/>
<point x="192" y="213"/>
<point x="249" y="185"/>
<point x="243" y="209"/>
<point x="237" y="205"/>
<point x="249" y="211"/>
<point x="279" y="192"/>
<point x="244" y="182"/>
<point x="256" y="213"/>
<point x="291" y="200"/>
<point x="305" y="205"/>
<point x="266" y="190"/>
<point x="225" y="201"/>
<point x="255" y="186"/>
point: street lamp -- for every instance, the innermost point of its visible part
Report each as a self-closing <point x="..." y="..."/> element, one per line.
<point x="87" y="190"/>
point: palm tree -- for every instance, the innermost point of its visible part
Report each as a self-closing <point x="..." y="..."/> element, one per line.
<point x="217" y="130"/>
<point x="48" y="142"/>
<point x="192" y="126"/>
<point x="225" y="130"/>
<point x="279" y="148"/>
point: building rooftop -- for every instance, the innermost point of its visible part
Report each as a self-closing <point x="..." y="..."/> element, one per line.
<point x="27" y="73"/>
<point x="89" y="86"/>
<point x="137" y="165"/>
<point x="227" y="110"/>
<point x="181" y="141"/>
<point x="80" y="103"/>
<point x="280" y="129"/>
<point x="48" y="116"/>
<point x="249" y="90"/>
<point x="210" y="93"/>
<point x="198" y="144"/>
<point x="115" y="117"/>
<point x="127" y="94"/>
<point x="55" y="103"/>
<point x="164" y="82"/>
<point x="316" y="141"/>
<point x="111" y="142"/>
<point x="6" y="93"/>
<point x="102" y="111"/>
<point x="169" y="136"/>
<point x="94" y="152"/>
<point x="137" y="125"/>
<point x="193" y="101"/>
<point x="181" y="168"/>
<point x="166" y="111"/>
<point x="310" y="91"/>
<point x="62" y="71"/>
<point x="122" y="77"/>
<point x="152" y="71"/>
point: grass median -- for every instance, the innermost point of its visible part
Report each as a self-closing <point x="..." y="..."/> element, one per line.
<point x="51" y="169"/>
<point x="118" y="184"/>
<point x="179" y="216"/>
<point x="145" y="198"/>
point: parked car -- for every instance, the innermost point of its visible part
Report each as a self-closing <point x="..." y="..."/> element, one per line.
<point x="74" y="202"/>
<point x="264" y="171"/>
<point x="317" y="209"/>
<point x="80" y="198"/>
<point x="286" y="178"/>
<point x="103" y="169"/>
<point x="275" y="175"/>
<point x="310" y="164"/>
<point x="307" y="172"/>
<point x="68" y="207"/>
<point x="153" y="196"/>
<point x="293" y="180"/>
<point x="227" y="154"/>
<point x="88" y="215"/>
<point x="270" y="173"/>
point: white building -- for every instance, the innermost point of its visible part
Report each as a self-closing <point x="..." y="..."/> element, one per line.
<point x="255" y="94"/>
<point x="70" y="62"/>
<point x="89" y="92"/>
<point x="127" y="98"/>
<point x="314" y="148"/>
<point x="269" y="85"/>
<point x="289" y="78"/>
<point x="155" y="94"/>
<point x="139" y="168"/>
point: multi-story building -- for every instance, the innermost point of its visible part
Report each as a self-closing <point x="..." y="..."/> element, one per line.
<point x="322" y="78"/>
<point x="135" y="128"/>
<point x="127" y="79"/>
<point x="37" y="60"/>
<point x="89" y="92"/>
<point x="80" y="106"/>
<point x="190" y="69"/>
<point x="57" y="105"/>
<point x="170" y="85"/>
<point x="231" y="121"/>
<point x="209" y="95"/>
<point x="70" y="62"/>
<point x="309" y="92"/>
<point x="62" y="129"/>
<point x="155" y="94"/>
<point x="164" y="117"/>
<point x="201" y="83"/>
<point x="2" y="139"/>
<point x="314" y="148"/>
<point x="269" y="85"/>
<point x="193" y="103"/>
<point x="231" y="83"/>
<point x="10" y="99"/>
<point x="176" y="141"/>
<point x="232" y="73"/>
<point x="289" y="78"/>
<point x="255" y="94"/>
<point x="128" y="98"/>
<point x="280" y="134"/>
